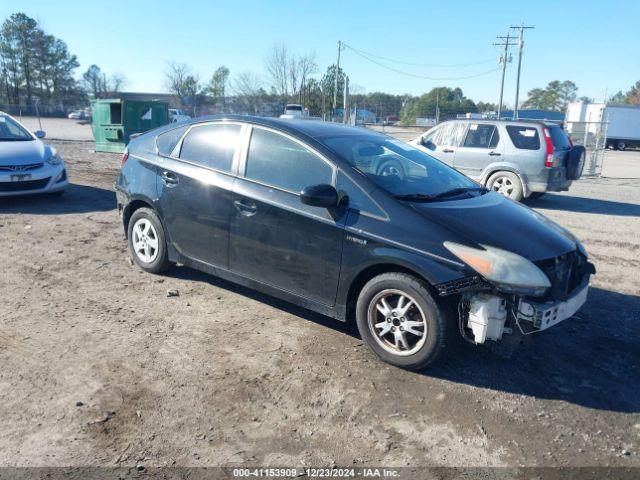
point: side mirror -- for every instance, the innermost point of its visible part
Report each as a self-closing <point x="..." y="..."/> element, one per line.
<point x="40" y="133"/>
<point x="322" y="195"/>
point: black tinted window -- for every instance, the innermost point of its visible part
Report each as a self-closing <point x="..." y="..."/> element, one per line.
<point x="211" y="146"/>
<point x="524" y="138"/>
<point x="482" y="136"/>
<point x="167" y="141"/>
<point x="278" y="161"/>
<point x="358" y="200"/>
<point x="559" y="138"/>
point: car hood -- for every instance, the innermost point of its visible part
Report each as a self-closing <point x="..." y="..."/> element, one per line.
<point x="24" y="152"/>
<point x="491" y="219"/>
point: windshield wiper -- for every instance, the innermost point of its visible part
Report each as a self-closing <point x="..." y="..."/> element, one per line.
<point x="425" y="197"/>
<point x="459" y="190"/>
<point x="2" y="139"/>
<point x="416" y="197"/>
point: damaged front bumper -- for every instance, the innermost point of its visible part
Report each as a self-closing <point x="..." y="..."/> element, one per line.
<point x="487" y="313"/>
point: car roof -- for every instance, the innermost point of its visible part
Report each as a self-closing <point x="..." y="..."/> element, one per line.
<point x="544" y="123"/>
<point x="316" y="129"/>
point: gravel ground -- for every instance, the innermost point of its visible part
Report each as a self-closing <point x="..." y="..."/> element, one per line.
<point x="101" y="367"/>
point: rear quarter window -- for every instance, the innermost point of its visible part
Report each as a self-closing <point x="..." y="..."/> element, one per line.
<point x="524" y="138"/>
<point x="559" y="138"/>
<point x="167" y="141"/>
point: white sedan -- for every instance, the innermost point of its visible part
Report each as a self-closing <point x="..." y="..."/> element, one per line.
<point x="27" y="165"/>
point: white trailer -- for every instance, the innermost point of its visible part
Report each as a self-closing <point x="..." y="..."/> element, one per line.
<point x="622" y="122"/>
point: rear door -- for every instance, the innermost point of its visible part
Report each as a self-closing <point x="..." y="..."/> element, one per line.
<point x="195" y="189"/>
<point x="481" y="147"/>
<point x="275" y="239"/>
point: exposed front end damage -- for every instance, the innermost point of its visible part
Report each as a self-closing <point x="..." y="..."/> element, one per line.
<point x="487" y="312"/>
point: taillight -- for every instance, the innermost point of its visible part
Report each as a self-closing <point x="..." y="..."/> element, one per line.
<point x="550" y="148"/>
<point x="125" y="157"/>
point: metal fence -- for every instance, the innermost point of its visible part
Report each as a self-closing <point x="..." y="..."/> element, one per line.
<point x="593" y="136"/>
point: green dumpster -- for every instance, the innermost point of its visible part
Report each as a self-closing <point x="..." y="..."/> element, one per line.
<point x="114" y="120"/>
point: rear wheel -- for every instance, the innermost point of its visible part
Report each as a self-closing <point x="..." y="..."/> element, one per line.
<point x="621" y="145"/>
<point x="506" y="183"/>
<point x="147" y="241"/>
<point x="400" y="321"/>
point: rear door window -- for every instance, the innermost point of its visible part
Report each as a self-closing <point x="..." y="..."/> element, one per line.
<point x="212" y="146"/>
<point x="276" y="160"/>
<point x="482" y="135"/>
<point x="559" y="138"/>
<point x="524" y="138"/>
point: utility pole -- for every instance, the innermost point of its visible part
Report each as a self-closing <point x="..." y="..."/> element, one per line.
<point x="437" y="106"/>
<point x="345" y="109"/>
<point x="521" y="29"/>
<point x="335" y="80"/>
<point x="504" y="58"/>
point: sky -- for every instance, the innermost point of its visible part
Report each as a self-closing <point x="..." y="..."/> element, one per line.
<point x="593" y="43"/>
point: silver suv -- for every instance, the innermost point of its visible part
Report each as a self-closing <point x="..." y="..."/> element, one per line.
<point x="518" y="159"/>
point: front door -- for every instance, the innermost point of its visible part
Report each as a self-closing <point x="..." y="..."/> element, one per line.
<point x="195" y="192"/>
<point x="480" y="148"/>
<point x="275" y="239"/>
<point x="442" y="142"/>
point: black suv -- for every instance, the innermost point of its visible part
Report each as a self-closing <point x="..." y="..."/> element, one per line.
<point x="319" y="214"/>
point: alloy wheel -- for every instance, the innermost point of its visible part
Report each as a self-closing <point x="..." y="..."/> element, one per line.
<point x="397" y="322"/>
<point x="503" y="185"/>
<point x="145" y="240"/>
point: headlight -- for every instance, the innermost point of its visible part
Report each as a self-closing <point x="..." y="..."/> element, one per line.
<point x="54" y="159"/>
<point x="506" y="269"/>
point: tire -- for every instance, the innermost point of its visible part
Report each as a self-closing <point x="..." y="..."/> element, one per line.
<point x="621" y="146"/>
<point x="507" y="183"/>
<point x="391" y="167"/>
<point x="534" y="195"/>
<point x="421" y="349"/>
<point x="147" y="241"/>
<point x="575" y="162"/>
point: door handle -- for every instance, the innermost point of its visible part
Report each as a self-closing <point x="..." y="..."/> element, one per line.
<point x="245" y="207"/>
<point x="447" y="150"/>
<point x="495" y="154"/>
<point x="169" y="178"/>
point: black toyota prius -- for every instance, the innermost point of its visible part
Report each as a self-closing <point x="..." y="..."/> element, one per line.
<point x="352" y="224"/>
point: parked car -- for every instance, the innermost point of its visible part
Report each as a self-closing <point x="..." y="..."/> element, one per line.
<point x="516" y="158"/>
<point x="177" y="115"/>
<point x="311" y="212"/>
<point x="77" y="115"/>
<point x="27" y="165"/>
<point x="295" y="110"/>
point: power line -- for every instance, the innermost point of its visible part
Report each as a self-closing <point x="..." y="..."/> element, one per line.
<point x="424" y="77"/>
<point x="434" y="65"/>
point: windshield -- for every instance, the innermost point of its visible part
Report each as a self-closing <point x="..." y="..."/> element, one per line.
<point x="12" y="131"/>
<point x="399" y="168"/>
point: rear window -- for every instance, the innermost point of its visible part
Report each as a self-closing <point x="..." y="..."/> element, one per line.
<point x="167" y="141"/>
<point x="524" y="138"/>
<point x="559" y="138"/>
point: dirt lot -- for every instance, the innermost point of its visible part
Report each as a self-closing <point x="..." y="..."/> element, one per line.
<point x="101" y="367"/>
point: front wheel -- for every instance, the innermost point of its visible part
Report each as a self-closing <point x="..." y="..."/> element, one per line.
<point x="400" y="321"/>
<point x="621" y="146"/>
<point x="506" y="183"/>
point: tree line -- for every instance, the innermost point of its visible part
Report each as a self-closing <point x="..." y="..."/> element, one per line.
<point x="36" y="68"/>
